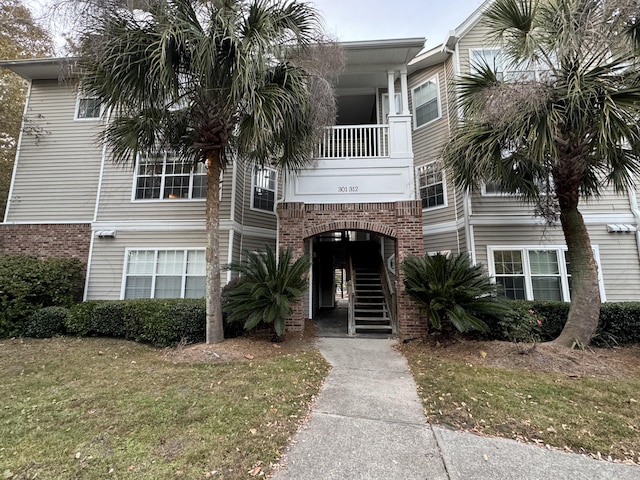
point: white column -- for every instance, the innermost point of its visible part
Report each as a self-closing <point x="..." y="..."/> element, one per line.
<point x="404" y="91"/>
<point x="391" y="92"/>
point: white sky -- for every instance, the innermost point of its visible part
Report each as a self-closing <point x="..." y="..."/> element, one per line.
<point x="350" y="20"/>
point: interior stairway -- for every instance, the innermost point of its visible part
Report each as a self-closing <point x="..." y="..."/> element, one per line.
<point x="370" y="311"/>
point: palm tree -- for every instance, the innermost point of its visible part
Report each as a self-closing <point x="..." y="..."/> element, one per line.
<point x="268" y="285"/>
<point x="561" y="125"/>
<point x="207" y="81"/>
<point x="451" y="289"/>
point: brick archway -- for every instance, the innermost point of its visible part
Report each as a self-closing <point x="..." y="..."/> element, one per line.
<point x="401" y="221"/>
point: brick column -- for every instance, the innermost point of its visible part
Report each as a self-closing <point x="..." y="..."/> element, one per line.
<point x="409" y="242"/>
<point x="290" y="235"/>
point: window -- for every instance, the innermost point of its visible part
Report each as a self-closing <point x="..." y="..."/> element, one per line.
<point x="88" y="108"/>
<point x="533" y="273"/>
<point x="494" y="58"/>
<point x="264" y="189"/>
<point x="168" y="178"/>
<point x="425" y="103"/>
<point x="164" y="274"/>
<point x="431" y="185"/>
<point x="490" y="57"/>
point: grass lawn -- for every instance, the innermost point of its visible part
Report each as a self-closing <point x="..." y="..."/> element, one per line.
<point x="594" y="414"/>
<point x="102" y="408"/>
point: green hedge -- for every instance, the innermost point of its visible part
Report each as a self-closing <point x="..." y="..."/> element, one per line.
<point x="28" y="284"/>
<point x="46" y="322"/>
<point x="619" y="322"/>
<point x="160" y="322"/>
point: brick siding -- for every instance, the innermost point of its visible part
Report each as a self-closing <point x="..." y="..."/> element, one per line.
<point x="46" y="240"/>
<point x="401" y="221"/>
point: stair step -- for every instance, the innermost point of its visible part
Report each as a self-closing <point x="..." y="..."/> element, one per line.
<point x="374" y="327"/>
<point x="369" y="310"/>
<point x="371" y="319"/>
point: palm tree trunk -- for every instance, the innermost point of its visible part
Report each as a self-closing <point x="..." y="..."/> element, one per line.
<point x="584" y="312"/>
<point x="214" y="329"/>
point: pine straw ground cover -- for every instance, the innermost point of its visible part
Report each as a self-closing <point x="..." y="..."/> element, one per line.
<point x="104" y="408"/>
<point x="580" y="401"/>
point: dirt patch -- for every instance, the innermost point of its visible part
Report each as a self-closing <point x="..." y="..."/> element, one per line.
<point x="611" y="362"/>
<point x="256" y="345"/>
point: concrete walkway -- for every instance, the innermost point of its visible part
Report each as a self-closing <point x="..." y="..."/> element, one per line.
<point x="368" y="423"/>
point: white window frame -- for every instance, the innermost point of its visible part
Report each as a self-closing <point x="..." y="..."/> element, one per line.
<point x="254" y="173"/>
<point x="163" y="176"/>
<point x="484" y="193"/>
<point x="436" y="81"/>
<point x="444" y="185"/>
<point x="526" y="267"/>
<point x="79" y="98"/>
<point x="185" y="251"/>
<point x="500" y="66"/>
<point x="473" y="63"/>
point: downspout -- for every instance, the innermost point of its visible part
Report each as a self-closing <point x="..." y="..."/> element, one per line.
<point x="95" y="217"/>
<point x="466" y="205"/>
<point x="18" y="150"/>
<point x="633" y="203"/>
<point x="455" y="189"/>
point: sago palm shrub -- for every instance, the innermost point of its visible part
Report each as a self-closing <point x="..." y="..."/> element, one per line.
<point x="451" y="289"/>
<point x="267" y="287"/>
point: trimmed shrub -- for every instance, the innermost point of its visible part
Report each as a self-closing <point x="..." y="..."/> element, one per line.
<point x="160" y="322"/>
<point x="107" y="319"/>
<point x="167" y="322"/>
<point x="28" y="284"/>
<point x="46" y="322"/>
<point x="619" y="322"/>
<point x="79" y="319"/>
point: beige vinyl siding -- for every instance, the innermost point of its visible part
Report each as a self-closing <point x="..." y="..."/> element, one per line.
<point x="257" y="244"/>
<point x="241" y="173"/>
<point x="107" y="262"/>
<point x="476" y="37"/>
<point x="227" y="186"/>
<point x="253" y="217"/>
<point x="618" y="253"/>
<point x="500" y="205"/>
<point x="609" y="202"/>
<point x="59" y="163"/>
<point x="619" y="262"/>
<point x="442" y="242"/>
<point x="429" y="140"/>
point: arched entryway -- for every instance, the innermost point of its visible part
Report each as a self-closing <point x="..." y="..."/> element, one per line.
<point x="303" y="226"/>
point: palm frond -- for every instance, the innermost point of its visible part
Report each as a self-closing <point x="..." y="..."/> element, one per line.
<point x="268" y="286"/>
<point x="451" y="289"/>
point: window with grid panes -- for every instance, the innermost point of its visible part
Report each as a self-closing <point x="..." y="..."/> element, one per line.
<point x="167" y="178"/>
<point x="425" y="103"/>
<point x="264" y="189"/>
<point x="165" y="274"/>
<point x="88" y="108"/>
<point x="431" y="185"/>
<point x="533" y="274"/>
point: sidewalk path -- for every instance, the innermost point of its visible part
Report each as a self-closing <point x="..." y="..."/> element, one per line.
<point x="368" y="423"/>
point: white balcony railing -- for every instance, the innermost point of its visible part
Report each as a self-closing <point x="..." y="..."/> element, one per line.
<point x="354" y="141"/>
